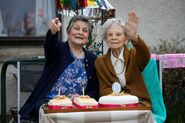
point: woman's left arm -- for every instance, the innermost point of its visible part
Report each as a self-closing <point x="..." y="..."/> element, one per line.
<point x="142" y="51"/>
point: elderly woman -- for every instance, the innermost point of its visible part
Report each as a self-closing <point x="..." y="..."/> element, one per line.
<point x="69" y="68"/>
<point x="121" y="64"/>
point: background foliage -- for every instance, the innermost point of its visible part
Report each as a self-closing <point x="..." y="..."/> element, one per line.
<point x="173" y="82"/>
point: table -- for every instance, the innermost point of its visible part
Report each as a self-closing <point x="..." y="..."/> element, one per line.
<point x="117" y="116"/>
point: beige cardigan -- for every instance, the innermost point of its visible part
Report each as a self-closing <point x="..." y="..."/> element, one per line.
<point x="136" y="59"/>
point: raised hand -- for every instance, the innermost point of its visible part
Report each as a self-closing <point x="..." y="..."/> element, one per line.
<point x="131" y="25"/>
<point x="55" y="25"/>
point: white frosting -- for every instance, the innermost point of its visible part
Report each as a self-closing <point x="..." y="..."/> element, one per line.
<point x="85" y="101"/>
<point x="60" y="102"/>
<point x="122" y="100"/>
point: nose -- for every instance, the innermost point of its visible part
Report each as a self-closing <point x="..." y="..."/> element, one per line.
<point x="114" y="36"/>
<point x="81" y="31"/>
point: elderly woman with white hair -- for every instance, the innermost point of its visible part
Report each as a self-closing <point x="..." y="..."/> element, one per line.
<point x="122" y="64"/>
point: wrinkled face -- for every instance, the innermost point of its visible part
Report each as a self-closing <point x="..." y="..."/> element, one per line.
<point x="79" y="33"/>
<point x="115" y="37"/>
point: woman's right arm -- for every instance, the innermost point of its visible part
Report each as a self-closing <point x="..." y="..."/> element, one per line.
<point x="51" y="44"/>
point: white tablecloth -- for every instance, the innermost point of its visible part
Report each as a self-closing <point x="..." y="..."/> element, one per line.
<point x="125" y="116"/>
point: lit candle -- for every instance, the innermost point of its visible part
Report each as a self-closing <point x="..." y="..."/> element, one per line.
<point x="59" y="92"/>
<point x="83" y="91"/>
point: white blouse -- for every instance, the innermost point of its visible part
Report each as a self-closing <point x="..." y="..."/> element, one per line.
<point x="119" y="67"/>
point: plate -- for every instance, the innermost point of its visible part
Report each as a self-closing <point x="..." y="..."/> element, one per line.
<point x="141" y="106"/>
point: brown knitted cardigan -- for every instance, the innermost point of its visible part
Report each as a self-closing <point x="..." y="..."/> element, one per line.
<point x="136" y="59"/>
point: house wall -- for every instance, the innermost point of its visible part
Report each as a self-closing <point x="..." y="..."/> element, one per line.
<point x="158" y="19"/>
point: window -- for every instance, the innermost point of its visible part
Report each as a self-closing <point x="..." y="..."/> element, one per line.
<point x="25" y="18"/>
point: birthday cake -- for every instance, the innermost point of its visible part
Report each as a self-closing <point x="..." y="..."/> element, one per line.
<point x="118" y="100"/>
<point x="85" y="102"/>
<point x="60" y="102"/>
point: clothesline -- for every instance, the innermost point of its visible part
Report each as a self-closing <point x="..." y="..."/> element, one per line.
<point x="171" y="60"/>
<point x="78" y="4"/>
<point x="65" y="7"/>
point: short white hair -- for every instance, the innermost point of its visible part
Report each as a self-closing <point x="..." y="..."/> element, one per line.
<point x="107" y="25"/>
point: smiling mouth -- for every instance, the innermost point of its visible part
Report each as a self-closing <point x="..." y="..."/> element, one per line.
<point x="115" y="43"/>
<point x="79" y="38"/>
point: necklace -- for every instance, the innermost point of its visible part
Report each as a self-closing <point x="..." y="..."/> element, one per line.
<point x="118" y="66"/>
<point x="120" y="72"/>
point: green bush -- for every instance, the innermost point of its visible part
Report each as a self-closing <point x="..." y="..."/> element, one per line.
<point x="174" y="94"/>
<point x="173" y="82"/>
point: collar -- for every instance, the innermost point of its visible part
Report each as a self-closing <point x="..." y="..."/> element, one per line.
<point x="120" y="57"/>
